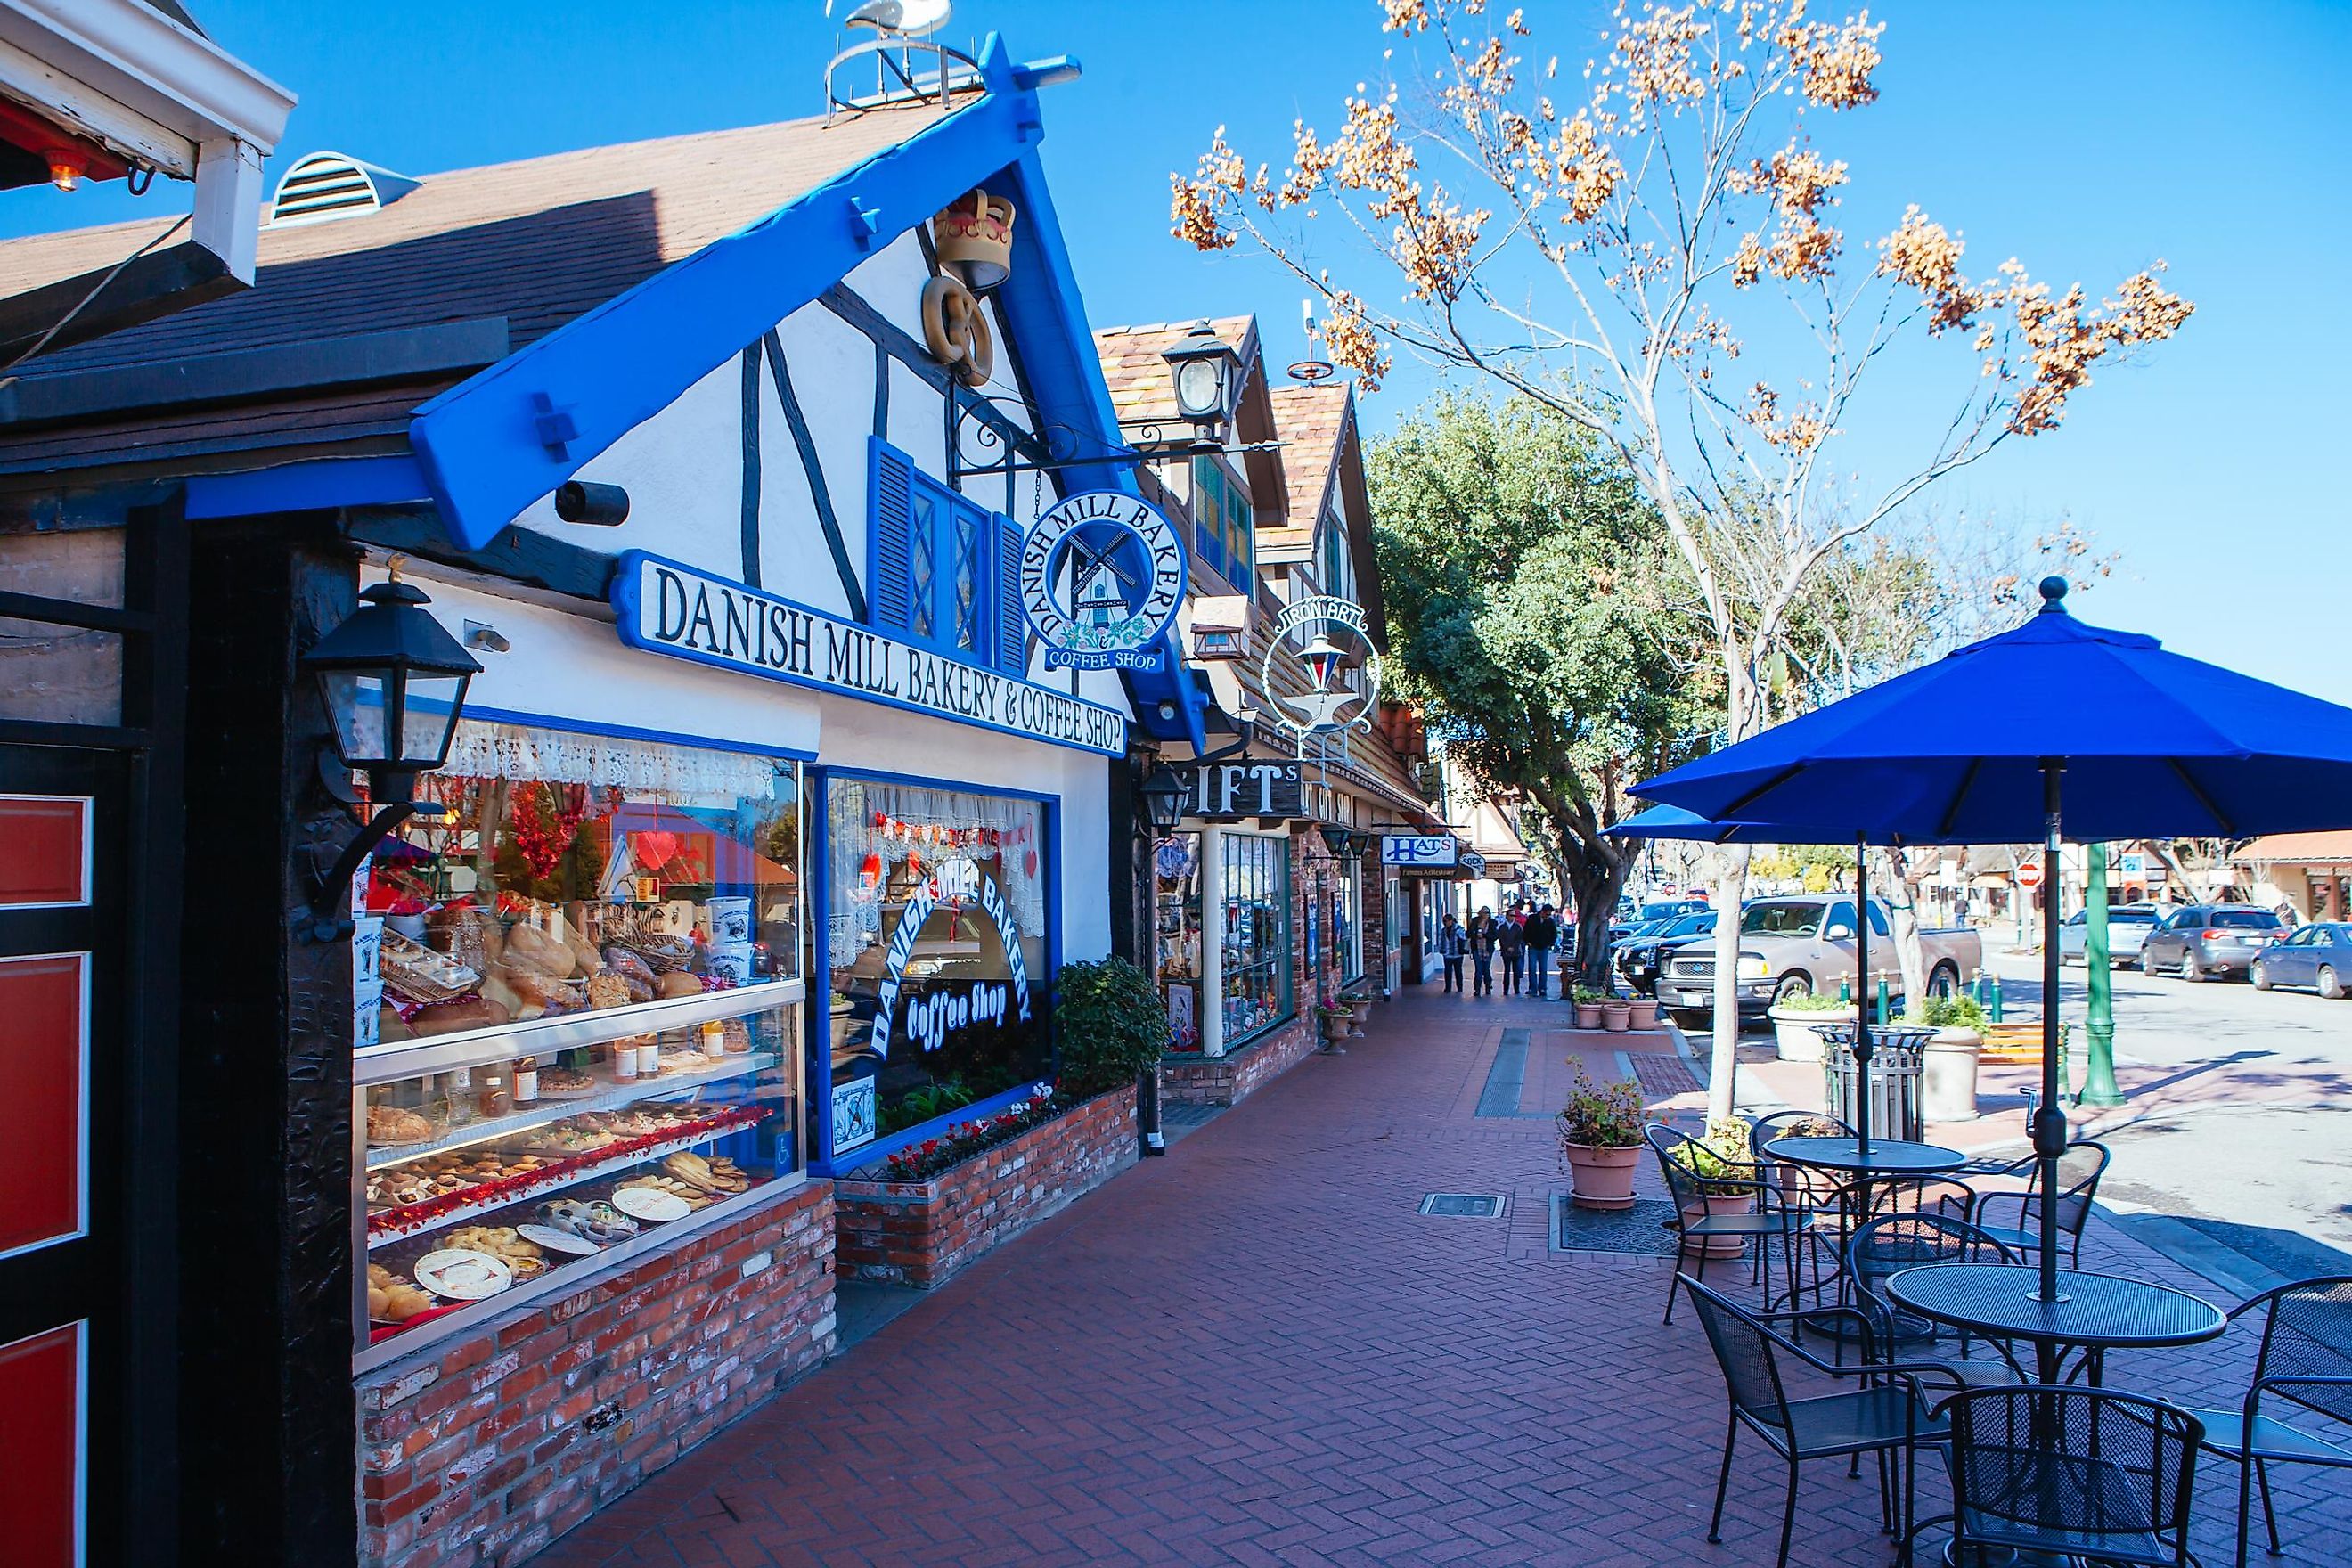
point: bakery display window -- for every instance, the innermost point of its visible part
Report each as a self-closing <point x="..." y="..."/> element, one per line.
<point x="1176" y="916"/>
<point x="935" y="947"/>
<point x="492" y="1166"/>
<point x="1255" y="872"/>
<point x="577" y="1016"/>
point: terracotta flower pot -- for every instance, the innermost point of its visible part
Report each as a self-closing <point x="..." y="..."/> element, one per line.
<point x="1724" y="1246"/>
<point x="1588" y="1014"/>
<point x="1603" y="1177"/>
<point x="1615" y="1016"/>
<point x="1646" y="1013"/>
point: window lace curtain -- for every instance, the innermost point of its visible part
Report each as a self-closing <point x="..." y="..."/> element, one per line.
<point x="645" y="770"/>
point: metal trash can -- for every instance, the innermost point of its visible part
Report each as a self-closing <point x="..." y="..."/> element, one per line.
<point x="1894" y="1063"/>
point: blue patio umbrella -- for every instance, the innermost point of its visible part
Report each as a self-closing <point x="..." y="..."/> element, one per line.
<point x="2057" y="728"/>
<point x="1674" y="822"/>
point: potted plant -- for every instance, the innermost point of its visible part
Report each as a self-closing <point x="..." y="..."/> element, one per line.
<point x="1794" y="1018"/>
<point x="1722" y="1160"/>
<point x="1644" y="1011"/>
<point x="1948" y="1063"/>
<point x="1588" y="1007"/>
<point x="1334" y="1018"/>
<point x="1600" y="1137"/>
<point x="1616" y="1013"/>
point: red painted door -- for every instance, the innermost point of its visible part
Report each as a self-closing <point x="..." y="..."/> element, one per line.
<point x="61" y="826"/>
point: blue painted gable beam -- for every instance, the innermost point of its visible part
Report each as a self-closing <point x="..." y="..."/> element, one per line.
<point x="1043" y="310"/>
<point x="499" y="441"/>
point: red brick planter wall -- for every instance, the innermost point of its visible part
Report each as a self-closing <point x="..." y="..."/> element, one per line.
<point x="479" y="1452"/>
<point x="1231" y="1078"/>
<point x="921" y="1233"/>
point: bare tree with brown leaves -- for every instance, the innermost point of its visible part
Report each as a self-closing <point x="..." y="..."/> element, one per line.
<point x="1646" y="247"/>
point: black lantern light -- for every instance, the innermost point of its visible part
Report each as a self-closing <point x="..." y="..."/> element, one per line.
<point x="394" y="682"/>
<point x="1207" y="373"/>
<point x="1335" y="837"/>
<point x="1165" y="794"/>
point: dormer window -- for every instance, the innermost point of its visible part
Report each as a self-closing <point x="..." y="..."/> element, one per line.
<point x="1224" y="531"/>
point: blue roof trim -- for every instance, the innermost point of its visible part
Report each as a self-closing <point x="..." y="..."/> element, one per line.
<point x="320" y="484"/>
<point x="491" y="446"/>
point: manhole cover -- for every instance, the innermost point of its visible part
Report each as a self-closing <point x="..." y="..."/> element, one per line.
<point x="1641" y="1229"/>
<point x="1463" y="1206"/>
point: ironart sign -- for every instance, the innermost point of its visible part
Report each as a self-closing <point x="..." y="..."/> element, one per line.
<point x="1228" y="792"/>
<point x="1112" y="605"/>
<point x="1327" y="634"/>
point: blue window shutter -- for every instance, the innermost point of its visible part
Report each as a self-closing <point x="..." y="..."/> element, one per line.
<point x="1011" y="622"/>
<point x="894" y="478"/>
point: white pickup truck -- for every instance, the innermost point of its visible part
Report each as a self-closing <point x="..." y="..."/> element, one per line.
<point x="1793" y="946"/>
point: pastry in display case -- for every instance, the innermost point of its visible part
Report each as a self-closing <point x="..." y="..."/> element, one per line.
<point x="477" y="1180"/>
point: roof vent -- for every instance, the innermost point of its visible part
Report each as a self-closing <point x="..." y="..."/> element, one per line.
<point x="324" y="186"/>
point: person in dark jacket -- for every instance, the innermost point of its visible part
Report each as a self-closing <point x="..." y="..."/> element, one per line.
<point x="1511" y="941"/>
<point x="1543" y="935"/>
<point x="1453" y="941"/>
<point x="1482" y="951"/>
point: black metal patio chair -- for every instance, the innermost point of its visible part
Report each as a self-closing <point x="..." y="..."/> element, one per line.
<point x="1940" y="1197"/>
<point x="1884" y="1415"/>
<point x="1681" y="1158"/>
<point x="2070" y="1472"/>
<point x="2079" y="1170"/>
<point x="1896" y="1242"/>
<point x="2306" y="1360"/>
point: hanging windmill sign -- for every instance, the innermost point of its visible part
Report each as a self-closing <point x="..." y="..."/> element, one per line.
<point x="1324" y="637"/>
<point x="1101" y="576"/>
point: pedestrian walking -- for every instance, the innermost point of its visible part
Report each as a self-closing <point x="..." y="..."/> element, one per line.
<point x="1542" y="935"/>
<point x="1482" y="951"/>
<point x="1511" y="941"/>
<point x="1453" y="943"/>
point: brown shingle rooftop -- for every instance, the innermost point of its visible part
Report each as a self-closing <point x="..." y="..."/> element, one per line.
<point x="1140" y="389"/>
<point x="538" y="242"/>
<point x="1309" y="421"/>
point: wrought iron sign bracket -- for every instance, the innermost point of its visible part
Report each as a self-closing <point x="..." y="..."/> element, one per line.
<point x="989" y="431"/>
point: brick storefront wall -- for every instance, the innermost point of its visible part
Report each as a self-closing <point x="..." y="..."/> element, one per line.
<point x="921" y="1233"/>
<point x="477" y="1452"/>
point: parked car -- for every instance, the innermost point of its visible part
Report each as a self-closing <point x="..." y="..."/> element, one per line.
<point x="2318" y="955"/>
<point x="2127" y="927"/>
<point x="2199" y="941"/>
<point x="1668" y="909"/>
<point x="1639" y="958"/>
<point x="1796" y="947"/>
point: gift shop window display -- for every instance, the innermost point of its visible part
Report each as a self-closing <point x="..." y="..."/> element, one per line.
<point x="577" y="1027"/>
<point x="1254" y="884"/>
<point x="1348" y="921"/>
<point x="1176" y="919"/>
<point x="935" y="946"/>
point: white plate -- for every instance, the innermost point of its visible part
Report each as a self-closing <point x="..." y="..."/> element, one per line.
<point x="651" y="1203"/>
<point x="461" y="1274"/>
<point x="556" y="1240"/>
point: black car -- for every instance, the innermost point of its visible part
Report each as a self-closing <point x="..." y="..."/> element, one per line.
<point x="1642" y="956"/>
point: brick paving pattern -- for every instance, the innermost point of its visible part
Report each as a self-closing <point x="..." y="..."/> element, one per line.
<point x="1257" y="1352"/>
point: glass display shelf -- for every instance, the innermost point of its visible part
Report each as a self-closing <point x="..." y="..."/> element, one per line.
<point x="395" y="1059"/>
<point x="611" y="1094"/>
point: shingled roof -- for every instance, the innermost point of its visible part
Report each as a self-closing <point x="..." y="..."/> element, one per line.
<point x="537" y="243"/>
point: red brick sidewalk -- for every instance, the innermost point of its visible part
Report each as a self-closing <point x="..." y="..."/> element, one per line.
<point x="1255" y="1351"/>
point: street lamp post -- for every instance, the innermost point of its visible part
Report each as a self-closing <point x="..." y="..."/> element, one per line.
<point x="2099" y="1087"/>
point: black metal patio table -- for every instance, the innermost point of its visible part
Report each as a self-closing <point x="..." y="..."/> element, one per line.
<point x="2093" y="1312"/>
<point x="1887" y="1157"/>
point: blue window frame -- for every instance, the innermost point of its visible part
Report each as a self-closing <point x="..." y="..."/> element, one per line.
<point x="1223" y="531"/>
<point x="944" y="570"/>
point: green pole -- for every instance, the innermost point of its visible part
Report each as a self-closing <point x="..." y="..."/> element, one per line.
<point x="2099" y="1087"/>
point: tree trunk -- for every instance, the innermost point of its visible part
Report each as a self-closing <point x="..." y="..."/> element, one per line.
<point x="1898" y="873"/>
<point x="1730" y="890"/>
<point x="1595" y="882"/>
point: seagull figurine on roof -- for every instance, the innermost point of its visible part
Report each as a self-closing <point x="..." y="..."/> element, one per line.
<point x="899" y="18"/>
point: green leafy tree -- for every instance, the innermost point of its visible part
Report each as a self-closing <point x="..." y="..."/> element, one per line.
<point x="1531" y="609"/>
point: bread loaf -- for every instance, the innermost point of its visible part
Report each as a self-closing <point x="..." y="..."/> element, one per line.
<point x="678" y="983"/>
<point x="530" y="948"/>
<point x="466" y="1013"/>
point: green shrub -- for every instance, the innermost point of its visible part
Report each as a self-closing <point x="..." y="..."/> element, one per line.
<point x="1813" y="1002"/>
<point x="1602" y="1115"/>
<point x="1959" y="1011"/>
<point x="1109" y="1023"/>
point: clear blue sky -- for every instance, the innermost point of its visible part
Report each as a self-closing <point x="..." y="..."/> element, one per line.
<point x="2085" y="137"/>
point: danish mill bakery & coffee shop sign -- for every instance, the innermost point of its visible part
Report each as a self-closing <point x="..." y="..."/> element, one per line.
<point x="668" y="607"/>
<point x="1101" y="576"/>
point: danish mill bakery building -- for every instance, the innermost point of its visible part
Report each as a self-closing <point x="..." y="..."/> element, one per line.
<point x="761" y="817"/>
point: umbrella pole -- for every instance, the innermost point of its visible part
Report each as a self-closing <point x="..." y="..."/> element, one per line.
<point x="2050" y="1120"/>
<point x="1861" y="1047"/>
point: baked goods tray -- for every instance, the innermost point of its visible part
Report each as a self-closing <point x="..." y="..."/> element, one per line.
<point x="387" y="1226"/>
<point x="612" y="1095"/>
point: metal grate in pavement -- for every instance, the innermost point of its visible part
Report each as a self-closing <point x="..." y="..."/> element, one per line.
<point x="1463" y="1206"/>
<point x="1640" y="1229"/>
